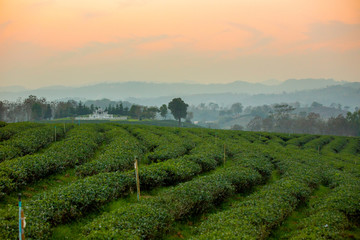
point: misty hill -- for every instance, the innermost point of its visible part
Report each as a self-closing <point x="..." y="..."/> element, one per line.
<point x="125" y="90"/>
<point x="304" y="91"/>
<point x="346" y="95"/>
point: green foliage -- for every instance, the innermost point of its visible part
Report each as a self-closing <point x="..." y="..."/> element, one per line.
<point x="193" y="197"/>
<point x="336" y="145"/>
<point x="200" y="168"/>
<point x="178" y="108"/>
<point x="9" y="227"/>
<point x="353" y="146"/>
<point x="163" y="110"/>
<point x="79" y="144"/>
<point x="11" y="129"/>
<point x="329" y="216"/>
<point x="171" y="146"/>
<point x="118" y="156"/>
<point x="300" y="141"/>
<point x="68" y="202"/>
<point x="29" y="141"/>
<point x="318" y="143"/>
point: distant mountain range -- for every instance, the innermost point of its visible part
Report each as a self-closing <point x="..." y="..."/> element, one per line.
<point x="305" y="91"/>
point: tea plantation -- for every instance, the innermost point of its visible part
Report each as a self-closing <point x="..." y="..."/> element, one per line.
<point x="78" y="182"/>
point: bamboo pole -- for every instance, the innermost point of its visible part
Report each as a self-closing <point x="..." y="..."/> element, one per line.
<point x="137" y="179"/>
<point x="224" y="153"/>
<point x="21" y="220"/>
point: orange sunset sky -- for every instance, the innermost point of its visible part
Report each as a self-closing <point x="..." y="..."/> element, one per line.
<point x="78" y="42"/>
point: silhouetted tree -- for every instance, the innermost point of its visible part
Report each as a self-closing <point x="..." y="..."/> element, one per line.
<point x="237" y="127"/>
<point x="255" y="124"/>
<point x="236" y="108"/>
<point x="189" y="116"/>
<point x="178" y="109"/>
<point x="163" y="110"/>
<point x="48" y="112"/>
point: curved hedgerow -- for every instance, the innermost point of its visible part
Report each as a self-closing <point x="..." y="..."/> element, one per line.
<point x="249" y="160"/>
<point x="11" y="129"/>
<point x="330" y="216"/>
<point x="68" y="202"/>
<point x="336" y="145"/>
<point x="352" y="147"/>
<point x="76" y="148"/>
<point x="300" y="141"/>
<point x="118" y="156"/>
<point x="151" y="218"/>
<point x="149" y="139"/>
<point x="29" y="141"/>
<point x="258" y="214"/>
<point x="318" y="143"/>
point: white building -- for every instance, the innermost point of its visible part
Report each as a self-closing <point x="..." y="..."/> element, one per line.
<point x="100" y="114"/>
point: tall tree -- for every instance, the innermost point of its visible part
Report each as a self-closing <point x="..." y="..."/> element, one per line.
<point x="121" y="109"/>
<point x="48" y="112"/>
<point x="3" y="109"/>
<point x="178" y="109"/>
<point x="36" y="111"/>
<point x="236" y="108"/>
<point x="163" y="110"/>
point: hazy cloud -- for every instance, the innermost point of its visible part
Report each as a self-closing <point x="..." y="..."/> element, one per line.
<point x="332" y="32"/>
<point x="4" y="25"/>
<point x="42" y="3"/>
<point x="91" y="15"/>
<point x="127" y="46"/>
<point x="129" y="3"/>
<point x="259" y="38"/>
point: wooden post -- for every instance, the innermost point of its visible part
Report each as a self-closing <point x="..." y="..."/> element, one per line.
<point x="137" y="178"/>
<point x="20" y="228"/>
<point x="224" y="153"/>
<point x="64" y="129"/>
<point x="55" y="133"/>
<point x="21" y="220"/>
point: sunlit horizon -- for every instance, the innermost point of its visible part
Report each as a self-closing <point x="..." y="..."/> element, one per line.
<point x="49" y="42"/>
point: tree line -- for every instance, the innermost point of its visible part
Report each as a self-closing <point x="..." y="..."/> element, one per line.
<point x="282" y="120"/>
<point x="37" y="109"/>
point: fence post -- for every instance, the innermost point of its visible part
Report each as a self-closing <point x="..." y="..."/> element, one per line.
<point x="21" y="220"/>
<point x="137" y="178"/>
<point x="224" y="153"/>
<point x="55" y="133"/>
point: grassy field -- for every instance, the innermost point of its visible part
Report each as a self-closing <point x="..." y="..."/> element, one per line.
<point x="79" y="183"/>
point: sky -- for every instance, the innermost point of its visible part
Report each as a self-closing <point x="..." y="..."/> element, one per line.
<point x="82" y="42"/>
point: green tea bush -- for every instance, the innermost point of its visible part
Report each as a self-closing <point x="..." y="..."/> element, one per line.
<point x="336" y="145"/>
<point x="330" y="215"/>
<point x="119" y="155"/>
<point x="151" y="218"/>
<point x="68" y="202"/>
<point x="318" y="143"/>
<point x="353" y="146"/>
<point x="11" y="129"/>
<point x="77" y="147"/>
<point x="302" y="140"/>
<point x="149" y="139"/>
<point x="29" y="141"/>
